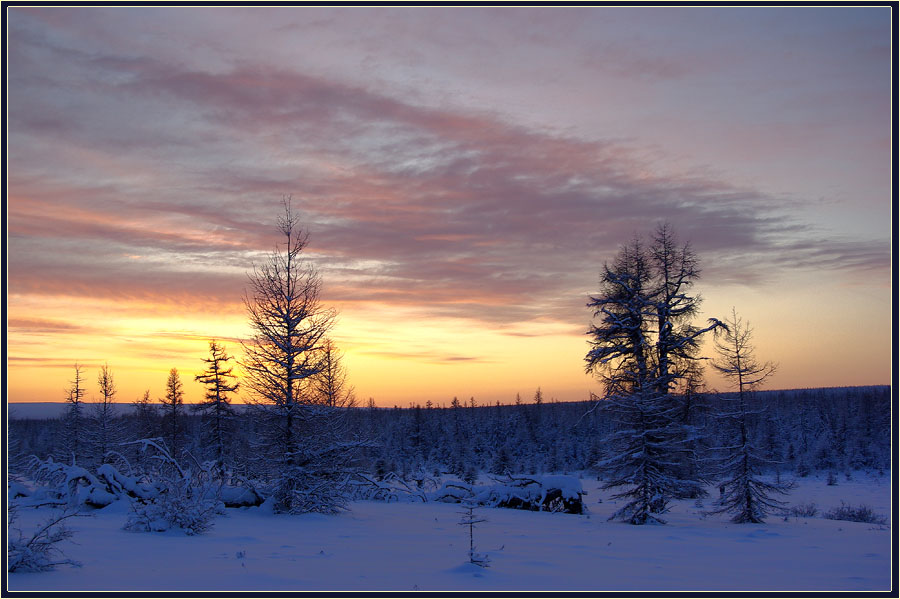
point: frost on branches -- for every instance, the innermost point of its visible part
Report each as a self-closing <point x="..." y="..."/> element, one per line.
<point x="181" y="498"/>
<point x="38" y="550"/>
<point x="642" y="349"/>
<point x="746" y="495"/>
<point x="301" y="454"/>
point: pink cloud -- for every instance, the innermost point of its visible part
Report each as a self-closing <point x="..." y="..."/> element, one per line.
<point x="463" y="212"/>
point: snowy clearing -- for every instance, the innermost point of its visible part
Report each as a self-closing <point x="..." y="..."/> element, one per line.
<point x="416" y="546"/>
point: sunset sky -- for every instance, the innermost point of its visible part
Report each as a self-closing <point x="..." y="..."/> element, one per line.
<point x="463" y="174"/>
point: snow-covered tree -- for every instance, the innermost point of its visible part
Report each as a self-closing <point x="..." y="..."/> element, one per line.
<point x="173" y="413"/>
<point x="620" y="356"/>
<point x="675" y="270"/>
<point x="74" y="426"/>
<point x="301" y="435"/>
<point x="640" y="349"/>
<point x="105" y="428"/>
<point x="174" y="496"/>
<point x="216" y="411"/>
<point x="747" y="496"/>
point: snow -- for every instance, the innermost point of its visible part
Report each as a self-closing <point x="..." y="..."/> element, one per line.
<point x="420" y="546"/>
<point x="519" y="492"/>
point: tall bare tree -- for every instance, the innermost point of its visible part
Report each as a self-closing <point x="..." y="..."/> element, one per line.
<point x="747" y="496"/>
<point x="105" y="430"/>
<point x="281" y="362"/>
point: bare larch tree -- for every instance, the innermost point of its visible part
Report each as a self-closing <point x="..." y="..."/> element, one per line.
<point x="74" y="421"/>
<point x="105" y="426"/>
<point x="747" y="496"/>
<point x="282" y="360"/>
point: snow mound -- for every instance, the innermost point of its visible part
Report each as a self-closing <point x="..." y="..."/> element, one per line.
<point x="551" y="493"/>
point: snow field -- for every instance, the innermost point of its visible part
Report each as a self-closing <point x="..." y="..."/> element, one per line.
<point x="416" y="546"/>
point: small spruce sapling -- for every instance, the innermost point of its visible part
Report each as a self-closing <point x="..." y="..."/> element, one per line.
<point x="470" y="518"/>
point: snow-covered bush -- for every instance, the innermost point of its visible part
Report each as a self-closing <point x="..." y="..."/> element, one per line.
<point x="165" y="496"/>
<point x="303" y="491"/>
<point x="16" y="489"/>
<point x="540" y="493"/>
<point x="231" y="496"/>
<point x="366" y="486"/>
<point x="803" y="510"/>
<point x="66" y="485"/>
<point x="861" y="513"/>
<point x="178" y="498"/>
<point x="177" y="506"/>
<point x="37" y="550"/>
<point x="391" y="487"/>
<point x="121" y="485"/>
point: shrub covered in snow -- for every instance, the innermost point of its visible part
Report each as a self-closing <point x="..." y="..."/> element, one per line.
<point x="366" y="486"/>
<point x="67" y="485"/>
<point x="16" y="489"/>
<point x="177" y="506"/>
<point x="391" y="487"/>
<point x="165" y="496"/>
<point x="803" y="510"/>
<point x="232" y="496"/>
<point x="178" y="498"/>
<point x="861" y="513"/>
<point x="302" y="491"/>
<point x="540" y="493"/>
<point x="37" y="550"/>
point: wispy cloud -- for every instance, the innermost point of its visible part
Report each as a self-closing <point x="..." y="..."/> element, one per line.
<point x="39" y="325"/>
<point x="430" y="357"/>
<point x="166" y="177"/>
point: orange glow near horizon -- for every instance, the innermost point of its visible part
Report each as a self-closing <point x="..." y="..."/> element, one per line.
<point x="396" y="364"/>
<point x="459" y="210"/>
<point x="397" y="356"/>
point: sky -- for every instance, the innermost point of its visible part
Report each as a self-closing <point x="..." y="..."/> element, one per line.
<point x="463" y="174"/>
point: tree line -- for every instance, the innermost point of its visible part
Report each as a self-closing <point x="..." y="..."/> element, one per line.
<point x="800" y="432"/>
<point x="653" y="435"/>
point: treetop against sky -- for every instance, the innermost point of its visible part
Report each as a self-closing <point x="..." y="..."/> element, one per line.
<point x="463" y="174"/>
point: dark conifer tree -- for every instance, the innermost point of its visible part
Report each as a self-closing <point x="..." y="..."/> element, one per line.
<point x="173" y="413"/>
<point x="74" y="423"/>
<point x="640" y="350"/>
<point x="105" y="430"/>
<point x="216" y="412"/>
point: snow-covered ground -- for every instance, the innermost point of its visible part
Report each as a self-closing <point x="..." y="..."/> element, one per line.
<point x="415" y="546"/>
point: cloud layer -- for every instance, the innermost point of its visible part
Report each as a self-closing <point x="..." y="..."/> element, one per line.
<point x="148" y="157"/>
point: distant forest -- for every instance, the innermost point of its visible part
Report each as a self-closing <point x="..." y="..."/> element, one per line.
<point x="800" y="431"/>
